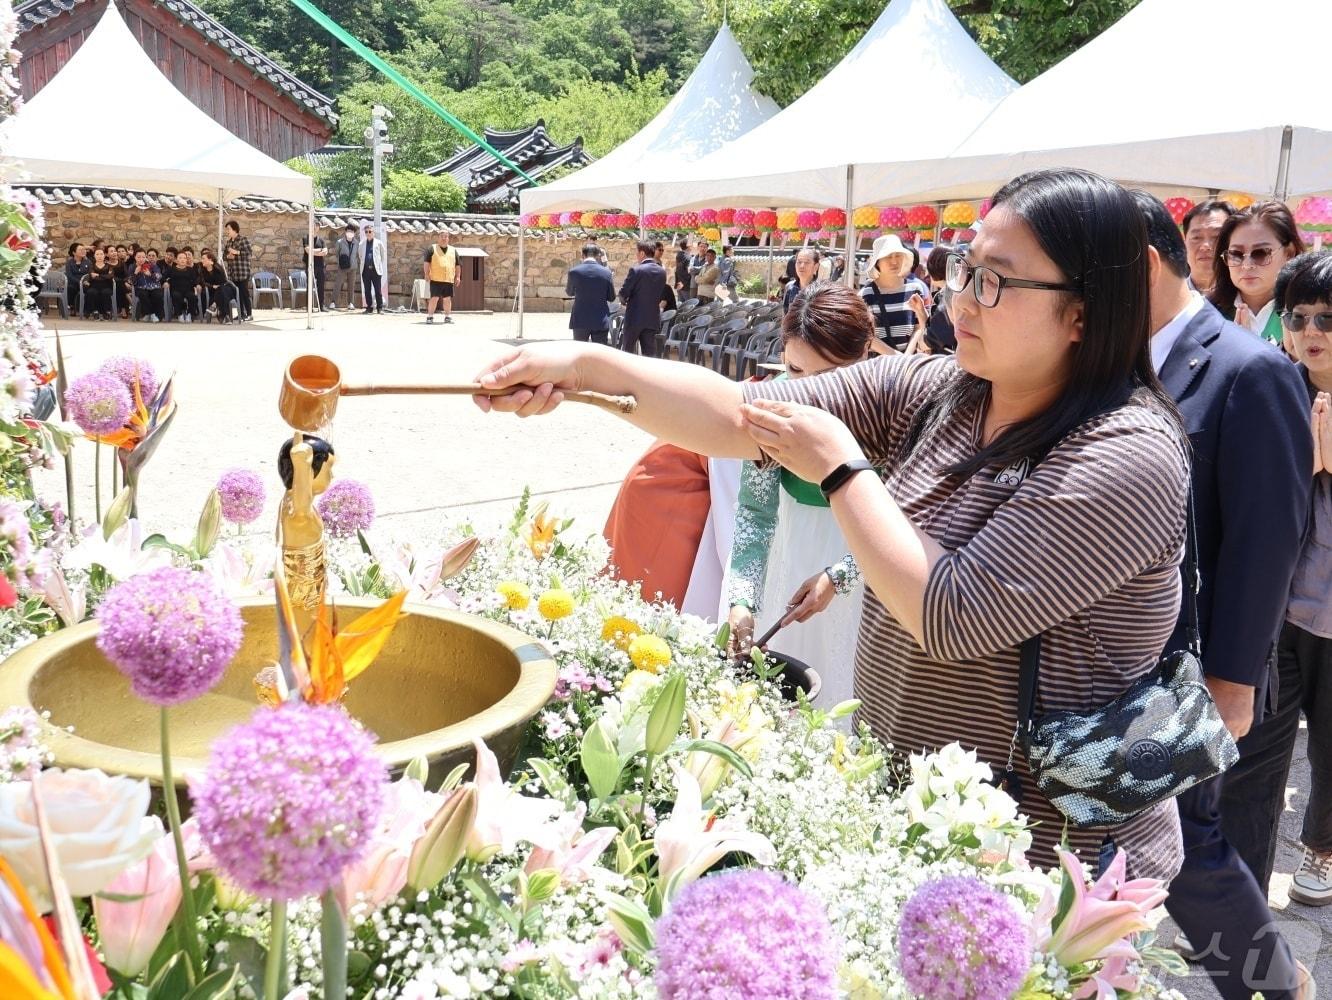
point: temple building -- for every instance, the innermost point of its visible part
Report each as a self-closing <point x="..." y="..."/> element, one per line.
<point x="492" y="186"/>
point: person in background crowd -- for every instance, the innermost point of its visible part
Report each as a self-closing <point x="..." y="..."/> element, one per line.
<point x="372" y="265"/>
<point x="641" y="294"/>
<point x="1202" y="225"/>
<point x="682" y="266"/>
<point x="708" y="277"/>
<point x="791" y="264"/>
<point x="182" y="280"/>
<point x="789" y="557"/>
<point x="77" y="265"/>
<point x="895" y="298"/>
<point x="320" y="261"/>
<point x="728" y="276"/>
<point x="168" y="258"/>
<point x="591" y="287"/>
<point x="148" y="287"/>
<point x="1304" y="654"/>
<point x="215" y="286"/>
<point x="668" y="300"/>
<point x="344" y="278"/>
<point x="99" y="288"/>
<point x="806" y="270"/>
<point x="240" y="267"/>
<point x="838" y="268"/>
<point x="117" y="259"/>
<point x="441" y="271"/>
<point x="1252" y="247"/>
<point x="696" y="264"/>
<point x="1247" y="419"/>
<point x="939" y="336"/>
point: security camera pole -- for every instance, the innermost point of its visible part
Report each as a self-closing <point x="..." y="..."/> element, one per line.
<point x="376" y="136"/>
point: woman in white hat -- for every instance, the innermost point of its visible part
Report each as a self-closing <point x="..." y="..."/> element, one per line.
<point x="892" y="296"/>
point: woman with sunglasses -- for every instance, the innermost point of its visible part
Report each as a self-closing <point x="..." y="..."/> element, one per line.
<point x="1304" y="651"/>
<point x="1032" y="484"/>
<point x="1253" y="246"/>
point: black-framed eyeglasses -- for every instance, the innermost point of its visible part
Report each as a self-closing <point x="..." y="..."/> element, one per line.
<point x="1261" y="257"/>
<point x="1295" y="322"/>
<point x="988" y="283"/>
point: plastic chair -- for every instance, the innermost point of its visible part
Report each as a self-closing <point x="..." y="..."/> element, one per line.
<point x="664" y="333"/>
<point x="732" y="354"/>
<point x="756" y="352"/>
<point x="420" y="295"/>
<point x="700" y="330"/>
<point x="710" y="351"/>
<point x="265" y="283"/>
<point x="54" y="286"/>
<point x="677" y="338"/>
<point x="206" y="304"/>
<point x="296" y="282"/>
<point x="83" y="300"/>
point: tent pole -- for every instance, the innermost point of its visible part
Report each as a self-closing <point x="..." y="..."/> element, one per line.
<point x="849" y="275"/>
<point x="219" y="225"/>
<point x="1283" y="165"/>
<point x="642" y="227"/>
<point x="522" y="260"/>
<point x="310" y="267"/>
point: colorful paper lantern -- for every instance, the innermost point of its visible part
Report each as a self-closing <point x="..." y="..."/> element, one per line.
<point x="1237" y="199"/>
<point x="527" y="220"/>
<point x="959" y="214"/>
<point x="921" y="217"/>
<point x="947" y="235"/>
<point x="726" y="216"/>
<point x="1178" y="208"/>
<point x="744" y="217"/>
<point x="765" y="220"/>
<point x="707" y="217"/>
<point x="672" y="220"/>
<point x="548" y="221"/>
<point x="807" y="219"/>
<point x="688" y="220"/>
<point x="833" y="219"/>
<point x="654" y="220"/>
<point x="628" y="220"/>
<point x="569" y="218"/>
<point x="749" y="234"/>
<point x="964" y="236"/>
<point x="906" y="235"/>
<point x="798" y="236"/>
<point x="986" y="205"/>
<point x="1315" y="215"/>
<point x="712" y="235"/>
<point x="787" y="220"/>
<point x="893" y="217"/>
<point x="865" y="217"/>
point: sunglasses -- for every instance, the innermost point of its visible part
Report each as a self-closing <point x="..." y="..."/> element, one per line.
<point x="1295" y="322"/>
<point x="1261" y="257"/>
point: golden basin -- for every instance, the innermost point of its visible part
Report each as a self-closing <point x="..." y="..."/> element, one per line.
<point x="442" y="678"/>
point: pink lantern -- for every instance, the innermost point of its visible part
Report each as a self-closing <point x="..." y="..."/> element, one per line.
<point x="527" y="220"/>
<point x="905" y="235"/>
<point x="893" y="217"/>
<point x="749" y="234"/>
<point x="1178" y="208"/>
<point x="765" y="220"/>
<point x="707" y="217"/>
<point x="744" y="217"/>
<point x="1315" y="214"/>
<point x="964" y="235"/>
<point x="672" y="220"/>
<point x="654" y="220"/>
<point x="726" y="216"/>
<point x="628" y="220"/>
<point x="921" y="217"/>
<point x="569" y="218"/>
<point x="688" y="220"/>
<point x="947" y="235"/>
<point x="833" y="219"/>
<point x="985" y="208"/>
<point x="807" y="219"/>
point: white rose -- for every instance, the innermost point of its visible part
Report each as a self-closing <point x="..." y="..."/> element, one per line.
<point x="99" y="826"/>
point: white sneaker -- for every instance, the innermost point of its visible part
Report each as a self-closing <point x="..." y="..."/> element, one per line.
<point x="1312" y="884"/>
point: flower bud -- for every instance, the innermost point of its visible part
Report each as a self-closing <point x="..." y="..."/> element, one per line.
<point x="440" y="849"/>
<point x="210" y="522"/>
<point x="663" y="723"/>
<point x="457" y="558"/>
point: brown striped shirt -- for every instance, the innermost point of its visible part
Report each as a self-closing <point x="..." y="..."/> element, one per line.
<point x="1085" y="550"/>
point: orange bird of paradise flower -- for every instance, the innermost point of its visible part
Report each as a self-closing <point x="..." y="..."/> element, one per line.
<point x="37" y="971"/>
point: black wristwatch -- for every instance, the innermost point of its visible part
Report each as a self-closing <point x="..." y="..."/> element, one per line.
<point x="836" y="479"/>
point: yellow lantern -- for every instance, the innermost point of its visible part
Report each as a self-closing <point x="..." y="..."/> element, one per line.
<point x="866" y="217"/>
<point x="959" y="214"/>
<point x="1237" y="199"/>
<point x="786" y="220"/>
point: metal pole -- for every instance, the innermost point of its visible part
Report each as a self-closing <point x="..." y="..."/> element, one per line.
<point x="220" y="198"/>
<point x="1282" y="187"/>
<point x="522" y="263"/>
<point x="849" y="275"/>
<point x="309" y="265"/>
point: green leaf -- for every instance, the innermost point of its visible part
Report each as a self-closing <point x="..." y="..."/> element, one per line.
<point x="632" y="923"/>
<point x="173" y="981"/>
<point x="452" y="779"/>
<point x="364" y="543"/>
<point x="215" y="986"/>
<point x="600" y="761"/>
<point x="120" y="897"/>
<point x="160" y="541"/>
<point x="541" y="885"/>
<point x="667" y="714"/>
<point x="555" y="785"/>
<point x="247" y="956"/>
<point x="723" y="637"/>
<point x="1067" y="894"/>
<point x="724" y="752"/>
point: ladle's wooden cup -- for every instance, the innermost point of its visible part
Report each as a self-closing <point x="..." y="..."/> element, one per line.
<point x="312" y="385"/>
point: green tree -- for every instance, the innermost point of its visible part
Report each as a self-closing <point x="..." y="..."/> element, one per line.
<point x="411" y="191"/>
<point x="602" y="114"/>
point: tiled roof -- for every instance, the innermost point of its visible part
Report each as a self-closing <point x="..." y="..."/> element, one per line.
<point x="475" y="167"/>
<point x="32" y="13"/>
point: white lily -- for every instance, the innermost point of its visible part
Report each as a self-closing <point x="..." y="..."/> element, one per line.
<point x="241" y="572"/>
<point x="122" y="555"/>
<point x="689" y="842"/>
<point x="70" y="603"/>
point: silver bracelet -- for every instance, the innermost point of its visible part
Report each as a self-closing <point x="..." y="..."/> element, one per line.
<point x="844" y="574"/>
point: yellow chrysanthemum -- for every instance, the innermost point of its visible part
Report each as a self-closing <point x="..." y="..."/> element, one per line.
<point x="619" y="630"/>
<point x="650" y="653"/>
<point x="515" y="594"/>
<point x="555" y="604"/>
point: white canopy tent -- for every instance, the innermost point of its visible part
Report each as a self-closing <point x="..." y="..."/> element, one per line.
<point x="838" y="144"/>
<point x="713" y="107"/>
<point x="1131" y="105"/>
<point x="61" y="136"/>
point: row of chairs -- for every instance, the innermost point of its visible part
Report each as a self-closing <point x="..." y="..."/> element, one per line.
<point x="263" y="285"/>
<point x="733" y="339"/>
<point x="55" y="286"/>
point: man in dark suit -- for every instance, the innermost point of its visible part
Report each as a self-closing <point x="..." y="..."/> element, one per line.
<point x="641" y="294"/>
<point x="1247" y="415"/>
<point x="591" y="286"/>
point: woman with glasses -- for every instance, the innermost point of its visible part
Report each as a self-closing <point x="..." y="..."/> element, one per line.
<point x="1032" y="484"/>
<point x="1252" y="247"/>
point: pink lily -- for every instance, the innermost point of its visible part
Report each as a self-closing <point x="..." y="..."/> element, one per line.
<point x="69" y="603"/>
<point x="569" y="849"/>
<point x="503" y="817"/>
<point x="241" y="572"/>
<point x="130" y="931"/>
<point x="1107" y="981"/>
<point x="1099" y="923"/>
<point x="690" y="841"/>
<point x="381" y="874"/>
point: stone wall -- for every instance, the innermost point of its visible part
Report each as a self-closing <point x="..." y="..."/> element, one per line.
<point x="276" y="238"/>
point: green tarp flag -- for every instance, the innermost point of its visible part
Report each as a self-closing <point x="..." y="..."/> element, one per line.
<point x="349" y="40"/>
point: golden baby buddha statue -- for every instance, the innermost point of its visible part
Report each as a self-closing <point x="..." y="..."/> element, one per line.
<point x="305" y="464"/>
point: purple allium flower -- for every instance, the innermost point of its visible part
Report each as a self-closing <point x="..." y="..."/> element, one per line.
<point x="290" y="799"/>
<point x="127" y="368"/>
<point x="171" y="631"/>
<point x="242" y="492"/>
<point x="745" y="935"/>
<point x="346" y="508"/>
<point x="99" y="403"/>
<point x="958" y="939"/>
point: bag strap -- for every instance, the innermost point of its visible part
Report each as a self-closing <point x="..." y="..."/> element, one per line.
<point x="1029" y="653"/>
